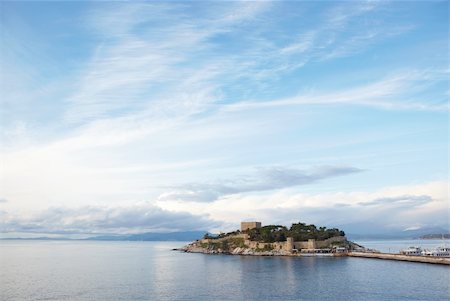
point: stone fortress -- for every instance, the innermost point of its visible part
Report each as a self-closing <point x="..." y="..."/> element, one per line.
<point x="287" y="247"/>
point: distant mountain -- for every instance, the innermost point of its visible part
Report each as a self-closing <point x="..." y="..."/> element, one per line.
<point x="170" y="236"/>
<point x="425" y="231"/>
<point x="435" y="236"/>
<point x="34" y="238"/>
<point x="358" y="236"/>
<point x="150" y="236"/>
<point x="397" y="234"/>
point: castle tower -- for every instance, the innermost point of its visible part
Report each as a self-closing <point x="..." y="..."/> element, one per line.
<point x="311" y="243"/>
<point x="250" y="225"/>
<point x="289" y="246"/>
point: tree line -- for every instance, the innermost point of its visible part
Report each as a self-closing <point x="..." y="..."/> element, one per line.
<point x="277" y="233"/>
<point x="298" y="231"/>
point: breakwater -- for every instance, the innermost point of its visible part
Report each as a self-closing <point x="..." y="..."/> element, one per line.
<point x="399" y="257"/>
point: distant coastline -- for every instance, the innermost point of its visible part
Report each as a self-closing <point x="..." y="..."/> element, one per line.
<point x="435" y="236"/>
<point x="148" y="236"/>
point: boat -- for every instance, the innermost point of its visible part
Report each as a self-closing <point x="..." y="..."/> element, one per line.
<point x="438" y="252"/>
<point x="412" y="251"/>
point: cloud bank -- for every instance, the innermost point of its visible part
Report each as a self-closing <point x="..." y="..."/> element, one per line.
<point x="137" y="218"/>
<point x="266" y="179"/>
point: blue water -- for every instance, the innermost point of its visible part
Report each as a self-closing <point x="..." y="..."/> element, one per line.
<point x="86" y="270"/>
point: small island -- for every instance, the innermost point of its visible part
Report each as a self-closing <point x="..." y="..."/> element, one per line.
<point x="275" y="240"/>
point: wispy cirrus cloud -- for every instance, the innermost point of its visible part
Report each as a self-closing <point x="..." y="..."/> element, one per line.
<point x="149" y="63"/>
<point x="408" y="200"/>
<point x="339" y="16"/>
<point x="264" y="180"/>
<point x="338" y="37"/>
<point x="397" y="92"/>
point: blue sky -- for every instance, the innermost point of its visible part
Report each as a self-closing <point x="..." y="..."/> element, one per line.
<point x="122" y="117"/>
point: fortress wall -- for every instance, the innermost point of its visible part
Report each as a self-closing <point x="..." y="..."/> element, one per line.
<point x="326" y="243"/>
<point x="216" y="240"/>
<point x="336" y="239"/>
<point x="300" y="245"/>
<point x="256" y="244"/>
<point x="315" y="244"/>
<point x="287" y="245"/>
<point x="279" y="245"/>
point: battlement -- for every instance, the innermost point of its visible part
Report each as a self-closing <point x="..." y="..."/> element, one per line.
<point x="250" y="225"/>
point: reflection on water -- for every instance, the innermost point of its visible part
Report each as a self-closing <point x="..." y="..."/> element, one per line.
<point x="36" y="270"/>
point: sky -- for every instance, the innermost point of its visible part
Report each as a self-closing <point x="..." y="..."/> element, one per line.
<point x="129" y="117"/>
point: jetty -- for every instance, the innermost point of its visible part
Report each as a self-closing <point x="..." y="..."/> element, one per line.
<point x="401" y="257"/>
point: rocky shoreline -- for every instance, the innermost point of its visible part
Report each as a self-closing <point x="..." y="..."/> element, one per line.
<point x="252" y="252"/>
<point x="246" y="252"/>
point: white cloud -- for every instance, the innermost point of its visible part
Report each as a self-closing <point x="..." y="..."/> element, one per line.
<point x="385" y="209"/>
<point x="270" y="178"/>
<point x="403" y="206"/>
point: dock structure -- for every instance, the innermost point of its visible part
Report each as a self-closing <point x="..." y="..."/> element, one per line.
<point x="400" y="257"/>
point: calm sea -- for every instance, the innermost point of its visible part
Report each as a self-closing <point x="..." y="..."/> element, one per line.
<point x="85" y="270"/>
